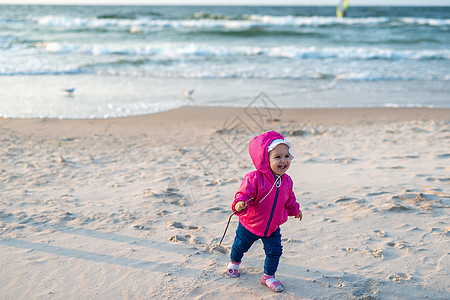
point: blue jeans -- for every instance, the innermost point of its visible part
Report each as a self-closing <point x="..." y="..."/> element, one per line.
<point x="272" y="246"/>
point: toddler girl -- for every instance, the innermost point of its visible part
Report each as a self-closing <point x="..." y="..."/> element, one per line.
<point x="263" y="202"/>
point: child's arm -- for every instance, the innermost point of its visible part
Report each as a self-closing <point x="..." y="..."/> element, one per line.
<point x="246" y="192"/>
<point x="293" y="207"/>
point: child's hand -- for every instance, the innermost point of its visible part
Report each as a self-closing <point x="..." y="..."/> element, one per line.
<point x="299" y="216"/>
<point x="240" y="206"/>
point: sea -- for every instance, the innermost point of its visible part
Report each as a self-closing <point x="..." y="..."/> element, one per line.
<point x="133" y="60"/>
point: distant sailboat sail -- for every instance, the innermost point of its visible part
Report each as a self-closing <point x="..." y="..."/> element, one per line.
<point x="341" y="9"/>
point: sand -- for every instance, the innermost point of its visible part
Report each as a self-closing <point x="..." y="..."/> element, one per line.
<point x="133" y="208"/>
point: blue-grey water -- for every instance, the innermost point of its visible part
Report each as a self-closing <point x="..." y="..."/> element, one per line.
<point x="129" y="60"/>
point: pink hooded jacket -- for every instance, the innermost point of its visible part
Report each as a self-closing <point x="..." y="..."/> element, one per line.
<point x="264" y="218"/>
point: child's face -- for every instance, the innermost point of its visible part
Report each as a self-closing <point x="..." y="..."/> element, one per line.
<point x="280" y="159"/>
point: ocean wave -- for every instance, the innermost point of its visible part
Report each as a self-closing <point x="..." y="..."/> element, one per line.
<point x="322" y="20"/>
<point x="426" y="21"/>
<point x="175" y="51"/>
<point x="63" y="21"/>
<point x="271" y="74"/>
<point x="138" y="69"/>
<point x="209" y="21"/>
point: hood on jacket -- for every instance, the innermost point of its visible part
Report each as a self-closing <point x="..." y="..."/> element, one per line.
<point x="258" y="149"/>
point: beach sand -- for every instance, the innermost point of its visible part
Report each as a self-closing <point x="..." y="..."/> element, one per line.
<point x="133" y="208"/>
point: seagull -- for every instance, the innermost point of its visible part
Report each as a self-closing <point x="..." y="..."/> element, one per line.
<point x="69" y="91"/>
<point x="189" y="93"/>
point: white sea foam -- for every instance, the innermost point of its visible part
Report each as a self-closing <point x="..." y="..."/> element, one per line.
<point x="180" y="51"/>
<point x="426" y="21"/>
<point x="314" y="20"/>
<point x="250" y="21"/>
<point x="250" y="72"/>
<point x="63" y="21"/>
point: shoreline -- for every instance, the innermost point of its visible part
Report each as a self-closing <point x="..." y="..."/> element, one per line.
<point x="115" y="96"/>
<point x="217" y="115"/>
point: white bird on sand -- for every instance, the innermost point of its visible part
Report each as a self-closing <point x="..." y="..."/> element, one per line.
<point x="69" y="91"/>
<point x="189" y="93"/>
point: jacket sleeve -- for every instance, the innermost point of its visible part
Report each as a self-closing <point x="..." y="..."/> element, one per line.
<point x="291" y="205"/>
<point x="247" y="190"/>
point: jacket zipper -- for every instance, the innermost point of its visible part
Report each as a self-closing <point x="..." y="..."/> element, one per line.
<point x="272" y="212"/>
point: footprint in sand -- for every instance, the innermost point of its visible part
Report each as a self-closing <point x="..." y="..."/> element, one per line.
<point x="215" y="248"/>
<point x="162" y="212"/>
<point x="395" y="207"/>
<point x="174" y="225"/>
<point x="377" y="253"/>
<point x="347" y="201"/>
<point x="365" y="289"/>
<point x="331" y="281"/>
<point x="329" y="220"/>
<point x="344" y="200"/>
<point x="398" y="245"/>
<point x="170" y="195"/>
<point x="446" y="232"/>
<point x="380" y="233"/>
<point x="188" y="185"/>
<point x="399" y="277"/>
<point x="349" y="249"/>
<point x="394" y="168"/>
<point x="184" y="238"/>
<point x="421" y="200"/>
<point x="438" y="179"/>
<point x="288" y="240"/>
<point x="141" y="227"/>
<point x="406" y="157"/>
<point x="371" y="194"/>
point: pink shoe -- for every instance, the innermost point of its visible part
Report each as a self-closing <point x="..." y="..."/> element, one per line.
<point x="233" y="269"/>
<point x="271" y="283"/>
